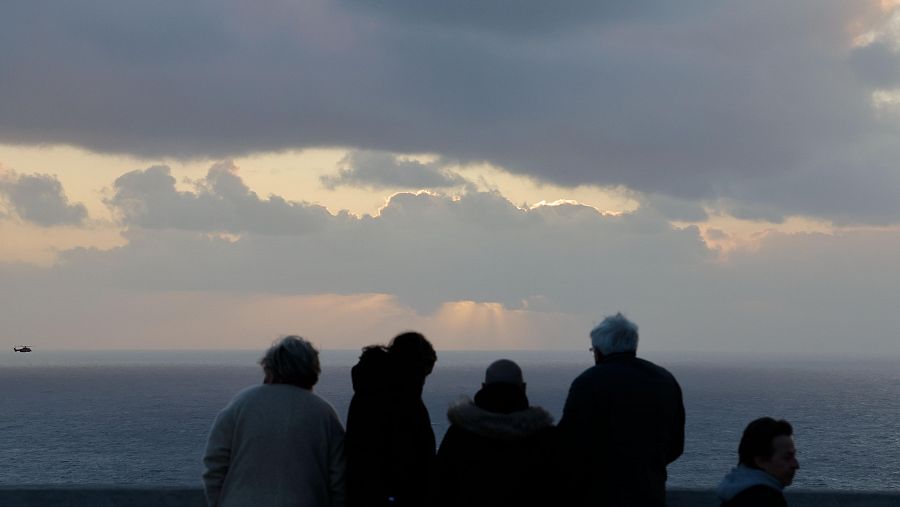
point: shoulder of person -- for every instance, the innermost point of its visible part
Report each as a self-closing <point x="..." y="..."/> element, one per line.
<point x="662" y="371"/>
<point x="243" y="398"/>
<point x="280" y="392"/>
<point x="758" y="496"/>
<point x="319" y="403"/>
<point x="587" y="384"/>
<point x="455" y="436"/>
<point x="247" y="393"/>
<point x="588" y="376"/>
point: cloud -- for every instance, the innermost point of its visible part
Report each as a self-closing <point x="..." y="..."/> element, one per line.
<point x="675" y="209"/>
<point x="472" y="264"/>
<point x="116" y="319"/>
<point x="425" y="264"/>
<point x="520" y="19"/>
<point x="717" y="234"/>
<point x="424" y="248"/>
<point x="878" y="64"/>
<point x="40" y="199"/>
<point x="723" y="102"/>
<point x="382" y="170"/>
<point x="221" y="202"/>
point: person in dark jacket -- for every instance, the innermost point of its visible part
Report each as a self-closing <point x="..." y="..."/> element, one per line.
<point x="498" y="450"/>
<point x="767" y="462"/>
<point x="622" y="424"/>
<point x="390" y="445"/>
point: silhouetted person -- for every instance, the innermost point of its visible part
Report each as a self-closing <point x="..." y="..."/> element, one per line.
<point x="390" y="443"/>
<point x="498" y="450"/>
<point x="278" y="444"/>
<point x="622" y="424"/>
<point x="767" y="462"/>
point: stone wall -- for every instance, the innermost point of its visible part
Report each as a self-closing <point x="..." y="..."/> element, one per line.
<point x="62" y="496"/>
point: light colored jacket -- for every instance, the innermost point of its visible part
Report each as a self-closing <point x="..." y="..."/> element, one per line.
<point x="275" y="445"/>
<point x="741" y="478"/>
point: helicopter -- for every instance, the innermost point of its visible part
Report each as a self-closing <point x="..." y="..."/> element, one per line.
<point x="22" y="348"/>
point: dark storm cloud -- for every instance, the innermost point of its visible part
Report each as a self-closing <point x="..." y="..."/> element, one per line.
<point x="40" y="199"/>
<point x="382" y="170"/>
<point x="705" y="102"/>
<point x="521" y="18"/>
<point x="221" y="202"/>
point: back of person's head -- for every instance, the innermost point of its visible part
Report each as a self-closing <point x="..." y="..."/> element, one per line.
<point x="614" y="335"/>
<point x="412" y="353"/>
<point x="504" y="371"/>
<point x="372" y="373"/>
<point x="503" y="390"/>
<point x="292" y="360"/>
<point x="758" y="437"/>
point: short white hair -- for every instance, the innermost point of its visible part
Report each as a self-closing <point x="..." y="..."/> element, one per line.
<point x="292" y="360"/>
<point x="615" y="334"/>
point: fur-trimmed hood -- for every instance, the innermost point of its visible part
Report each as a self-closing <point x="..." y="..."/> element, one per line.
<point x="466" y="414"/>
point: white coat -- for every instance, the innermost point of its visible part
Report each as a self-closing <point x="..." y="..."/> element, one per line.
<point x="275" y="445"/>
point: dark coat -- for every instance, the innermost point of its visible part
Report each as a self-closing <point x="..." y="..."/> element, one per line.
<point x="498" y="452"/>
<point x="622" y="424"/>
<point x="757" y="496"/>
<point x="390" y="446"/>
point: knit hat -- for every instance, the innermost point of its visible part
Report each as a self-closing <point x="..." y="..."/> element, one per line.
<point x="503" y="371"/>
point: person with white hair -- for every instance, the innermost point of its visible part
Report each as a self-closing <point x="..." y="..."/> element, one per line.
<point x="622" y="424"/>
<point x="278" y="444"/>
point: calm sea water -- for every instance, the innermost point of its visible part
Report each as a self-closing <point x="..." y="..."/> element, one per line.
<point x="141" y="418"/>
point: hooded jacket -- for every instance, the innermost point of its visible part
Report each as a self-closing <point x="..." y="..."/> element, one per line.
<point x="390" y="445"/>
<point x="750" y="487"/>
<point x="497" y="452"/>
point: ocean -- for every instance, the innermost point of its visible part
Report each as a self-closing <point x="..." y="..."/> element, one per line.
<point x="141" y="418"/>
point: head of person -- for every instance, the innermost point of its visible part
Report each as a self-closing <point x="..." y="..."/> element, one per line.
<point x="768" y="445"/>
<point x="372" y="373"/>
<point x="412" y="356"/>
<point x="291" y="360"/>
<point x="505" y="372"/>
<point x="503" y="389"/>
<point x="615" y="335"/>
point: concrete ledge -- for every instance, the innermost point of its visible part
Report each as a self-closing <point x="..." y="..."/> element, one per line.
<point x="112" y="496"/>
<point x="798" y="498"/>
<point x="100" y="496"/>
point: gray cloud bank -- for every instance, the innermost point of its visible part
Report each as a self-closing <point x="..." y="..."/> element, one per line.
<point x="382" y="170"/>
<point x="763" y="108"/>
<point x="419" y="240"/>
<point x="221" y="202"/>
<point x="801" y="293"/>
<point x="39" y="199"/>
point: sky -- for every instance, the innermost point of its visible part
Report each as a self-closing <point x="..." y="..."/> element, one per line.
<point x="496" y="174"/>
